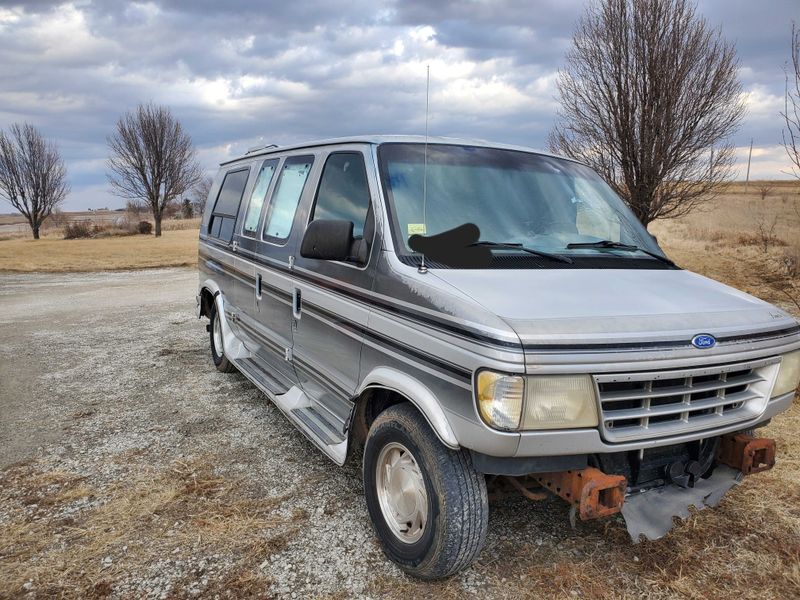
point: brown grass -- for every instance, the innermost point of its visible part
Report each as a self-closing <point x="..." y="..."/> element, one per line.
<point x="181" y="224"/>
<point x="172" y="249"/>
<point x="722" y="241"/>
<point x="104" y="215"/>
<point x="110" y="223"/>
<point x="188" y="510"/>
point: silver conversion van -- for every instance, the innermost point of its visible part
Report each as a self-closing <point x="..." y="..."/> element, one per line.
<point x="471" y="313"/>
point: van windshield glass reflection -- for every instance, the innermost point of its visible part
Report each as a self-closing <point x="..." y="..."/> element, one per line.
<point x="538" y="201"/>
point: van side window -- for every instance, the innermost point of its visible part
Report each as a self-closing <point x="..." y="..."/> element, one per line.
<point x="343" y="192"/>
<point x="286" y="197"/>
<point x="223" y="217"/>
<point x="258" y="196"/>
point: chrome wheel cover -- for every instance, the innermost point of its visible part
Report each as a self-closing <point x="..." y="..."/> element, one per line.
<point x="217" y="330"/>
<point x="401" y="492"/>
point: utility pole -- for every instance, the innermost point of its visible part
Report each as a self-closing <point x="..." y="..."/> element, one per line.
<point x="749" y="156"/>
<point x="711" y="165"/>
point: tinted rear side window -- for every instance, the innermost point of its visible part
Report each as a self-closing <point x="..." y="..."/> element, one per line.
<point x="223" y="217"/>
<point x="286" y="197"/>
<point x="343" y="191"/>
<point x="258" y="196"/>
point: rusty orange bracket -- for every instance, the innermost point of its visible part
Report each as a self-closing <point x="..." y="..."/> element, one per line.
<point x="525" y="491"/>
<point x="746" y="453"/>
<point x="594" y="493"/>
<point x="500" y="486"/>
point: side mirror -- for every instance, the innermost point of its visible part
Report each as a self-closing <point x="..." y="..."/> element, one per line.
<point x="327" y="239"/>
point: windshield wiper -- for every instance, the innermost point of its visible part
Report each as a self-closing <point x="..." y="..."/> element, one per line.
<point x="620" y="246"/>
<point x="516" y="246"/>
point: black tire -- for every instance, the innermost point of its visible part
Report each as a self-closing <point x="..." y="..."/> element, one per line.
<point x="221" y="361"/>
<point x="457" y="504"/>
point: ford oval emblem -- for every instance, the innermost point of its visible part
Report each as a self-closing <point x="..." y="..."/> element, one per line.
<point x="704" y="341"/>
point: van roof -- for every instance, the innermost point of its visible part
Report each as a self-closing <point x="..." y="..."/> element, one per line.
<point x="382" y="139"/>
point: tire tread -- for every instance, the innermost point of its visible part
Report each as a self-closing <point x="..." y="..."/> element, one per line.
<point x="462" y="486"/>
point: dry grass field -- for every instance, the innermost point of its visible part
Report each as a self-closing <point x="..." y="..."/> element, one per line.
<point x="740" y="239"/>
<point x="102" y="215"/>
<point x="114" y="249"/>
<point x="14" y="226"/>
<point x="55" y="255"/>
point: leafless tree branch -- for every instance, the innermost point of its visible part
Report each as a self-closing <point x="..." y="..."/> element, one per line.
<point x="649" y="96"/>
<point x="200" y="194"/>
<point x="33" y="177"/>
<point x="791" y="106"/>
<point x="152" y="159"/>
<point x="764" y="190"/>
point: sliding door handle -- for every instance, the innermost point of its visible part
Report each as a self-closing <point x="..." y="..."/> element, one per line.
<point x="258" y="286"/>
<point x="297" y="303"/>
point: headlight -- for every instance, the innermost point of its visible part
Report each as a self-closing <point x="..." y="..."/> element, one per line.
<point x="536" y="402"/>
<point x="559" y="401"/>
<point x="500" y="399"/>
<point x="788" y="374"/>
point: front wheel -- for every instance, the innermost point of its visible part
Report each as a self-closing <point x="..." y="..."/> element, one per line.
<point x="427" y="503"/>
<point x="217" y="350"/>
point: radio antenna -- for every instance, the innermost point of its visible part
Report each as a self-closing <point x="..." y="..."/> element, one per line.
<point x="422" y="267"/>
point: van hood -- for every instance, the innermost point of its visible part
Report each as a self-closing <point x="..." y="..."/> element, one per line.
<point x="599" y="306"/>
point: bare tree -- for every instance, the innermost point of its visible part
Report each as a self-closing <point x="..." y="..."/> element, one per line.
<point x="649" y="96"/>
<point x="200" y="194"/>
<point x="33" y="177"/>
<point x="764" y="190"/>
<point x="791" y="106"/>
<point x="765" y="231"/>
<point x="152" y="159"/>
<point x="133" y="209"/>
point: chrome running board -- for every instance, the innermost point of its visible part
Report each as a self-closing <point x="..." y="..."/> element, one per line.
<point x="297" y="407"/>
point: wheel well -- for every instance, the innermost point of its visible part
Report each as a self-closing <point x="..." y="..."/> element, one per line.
<point x="371" y="403"/>
<point x="206" y="302"/>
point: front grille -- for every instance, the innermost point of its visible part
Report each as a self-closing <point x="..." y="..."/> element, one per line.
<point x="654" y="404"/>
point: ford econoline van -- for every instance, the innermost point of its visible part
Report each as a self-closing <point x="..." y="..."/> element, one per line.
<point x="467" y="312"/>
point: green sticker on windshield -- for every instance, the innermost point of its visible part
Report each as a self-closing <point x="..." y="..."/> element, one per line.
<point x="416" y="229"/>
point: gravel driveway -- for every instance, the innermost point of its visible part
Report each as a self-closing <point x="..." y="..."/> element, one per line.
<point x="131" y="468"/>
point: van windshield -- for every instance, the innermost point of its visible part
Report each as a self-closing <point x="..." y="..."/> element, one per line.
<point x="514" y="198"/>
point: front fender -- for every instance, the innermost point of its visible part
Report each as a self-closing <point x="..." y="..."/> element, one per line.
<point x="416" y="393"/>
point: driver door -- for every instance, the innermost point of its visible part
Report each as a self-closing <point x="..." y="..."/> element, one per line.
<point x="327" y="341"/>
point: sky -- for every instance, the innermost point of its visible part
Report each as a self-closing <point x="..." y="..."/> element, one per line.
<point x="239" y="74"/>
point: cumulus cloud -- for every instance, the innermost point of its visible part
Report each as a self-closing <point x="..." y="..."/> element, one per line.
<point x="240" y="73"/>
<point x="767" y="162"/>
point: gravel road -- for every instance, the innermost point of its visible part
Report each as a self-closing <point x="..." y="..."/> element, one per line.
<point x="131" y="468"/>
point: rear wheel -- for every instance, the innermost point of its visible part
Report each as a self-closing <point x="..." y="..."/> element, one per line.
<point x="221" y="362"/>
<point x="427" y="503"/>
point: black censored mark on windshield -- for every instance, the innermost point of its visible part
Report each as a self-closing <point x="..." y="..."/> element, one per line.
<point x="454" y="248"/>
<point x="462" y="248"/>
